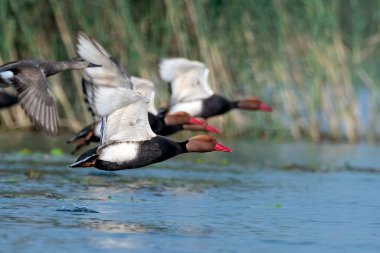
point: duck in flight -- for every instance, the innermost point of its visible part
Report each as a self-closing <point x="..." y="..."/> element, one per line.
<point x="190" y="91"/>
<point x="29" y="78"/>
<point x="162" y="123"/>
<point x="127" y="140"/>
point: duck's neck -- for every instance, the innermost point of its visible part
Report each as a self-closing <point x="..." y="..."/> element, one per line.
<point x="183" y="148"/>
<point x="216" y="105"/>
<point x="234" y="104"/>
<point x="52" y="68"/>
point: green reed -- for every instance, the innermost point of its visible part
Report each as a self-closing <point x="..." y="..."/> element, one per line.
<point x="309" y="59"/>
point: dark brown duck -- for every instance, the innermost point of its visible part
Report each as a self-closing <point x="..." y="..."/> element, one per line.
<point x="28" y="77"/>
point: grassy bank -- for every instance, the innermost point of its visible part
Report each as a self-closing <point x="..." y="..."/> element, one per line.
<point x="314" y="61"/>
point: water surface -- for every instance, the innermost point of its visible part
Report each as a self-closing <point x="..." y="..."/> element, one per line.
<point x="264" y="197"/>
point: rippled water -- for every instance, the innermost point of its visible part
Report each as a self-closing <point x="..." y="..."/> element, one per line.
<point x="264" y="197"/>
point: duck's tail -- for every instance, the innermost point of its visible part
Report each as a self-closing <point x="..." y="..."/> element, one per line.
<point x="87" y="159"/>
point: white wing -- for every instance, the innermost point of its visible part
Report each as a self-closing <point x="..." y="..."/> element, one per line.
<point x="146" y="88"/>
<point x="107" y="99"/>
<point x="110" y="73"/>
<point x="188" y="80"/>
<point x="129" y="123"/>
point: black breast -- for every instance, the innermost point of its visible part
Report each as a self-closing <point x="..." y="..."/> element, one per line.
<point x="168" y="130"/>
<point x="215" y="105"/>
<point x="154" y="150"/>
<point x="157" y="123"/>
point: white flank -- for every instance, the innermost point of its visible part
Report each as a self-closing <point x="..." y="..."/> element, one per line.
<point x="193" y="108"/>
<point x="6" y="76"/>
<point x="120" y="152"/>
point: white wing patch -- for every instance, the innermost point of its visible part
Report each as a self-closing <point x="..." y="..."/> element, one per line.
<point x="108" y="99"/>
<point x="129" y="123"/>
<point x="170" y="69"/>
<point x="110" y="73"/>
<point x="119" y="152"/>
<point x="188" y="80"/>
<point x="6" y="76"/>
<point x="146" y="88"/>
<point x="124" y="111"/>
<point x="91" y="51"/>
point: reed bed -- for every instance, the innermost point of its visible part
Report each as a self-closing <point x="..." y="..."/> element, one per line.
<point x="316" y="62"/>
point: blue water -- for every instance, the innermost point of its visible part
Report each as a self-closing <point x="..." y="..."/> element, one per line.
<point x="264" y="197"/>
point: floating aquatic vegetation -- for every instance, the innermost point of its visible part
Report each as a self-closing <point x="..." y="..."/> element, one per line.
<point x="56" y="152"/>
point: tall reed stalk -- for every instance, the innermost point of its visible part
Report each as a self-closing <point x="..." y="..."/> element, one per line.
<point x="309" y="59"/>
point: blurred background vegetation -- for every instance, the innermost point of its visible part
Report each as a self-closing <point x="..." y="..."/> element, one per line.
<point x="315" y="61"/>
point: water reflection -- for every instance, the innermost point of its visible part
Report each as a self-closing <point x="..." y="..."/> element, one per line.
<point x="112" y="243"/>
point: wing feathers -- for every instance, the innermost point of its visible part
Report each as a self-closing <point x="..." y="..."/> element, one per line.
<point x="108" y="90"/>
<point x="188" y="80"/>
<point x="170" y="69"/>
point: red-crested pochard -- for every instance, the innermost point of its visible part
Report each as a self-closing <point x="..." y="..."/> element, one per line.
<point x="162" y="123"/>
<point x="190" y="91"/>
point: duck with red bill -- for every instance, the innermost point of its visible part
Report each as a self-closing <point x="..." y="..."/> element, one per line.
<point x="222" y="148"/>
<point x="201" y="122"/>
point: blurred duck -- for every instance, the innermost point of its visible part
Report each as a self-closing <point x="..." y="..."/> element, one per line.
<point x="161" y="123"/>
<point x="190" y="91"/>
<point x="127" y="140"/>
<point x="28" y="77"/>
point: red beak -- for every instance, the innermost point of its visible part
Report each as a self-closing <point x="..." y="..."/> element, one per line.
<point x="212" y="129"/>
<point x="265" y="108"/>
<point x="208" y="128"/>
<point x="220" y="147"/>
<point x="194" y="121"/>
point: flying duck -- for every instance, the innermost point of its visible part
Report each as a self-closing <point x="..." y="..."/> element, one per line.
<point x="127" y="140"/>
<point x="162" y="123"/>
<point x="190" y="91"/>
<point x="28" y="77"/>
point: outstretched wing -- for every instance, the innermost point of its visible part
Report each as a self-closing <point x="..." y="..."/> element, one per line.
<point x="33" y="94"/>
<point x="188" y="80"/>
<point x="110" y="73"/>
<point x="100" y="84"/>
<point x="145" y="88"/>
<point x="109" y="93"/>
<point x="88" y="92"/>
<point x="129" y="122"/>
<point x="104" y="100"/>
